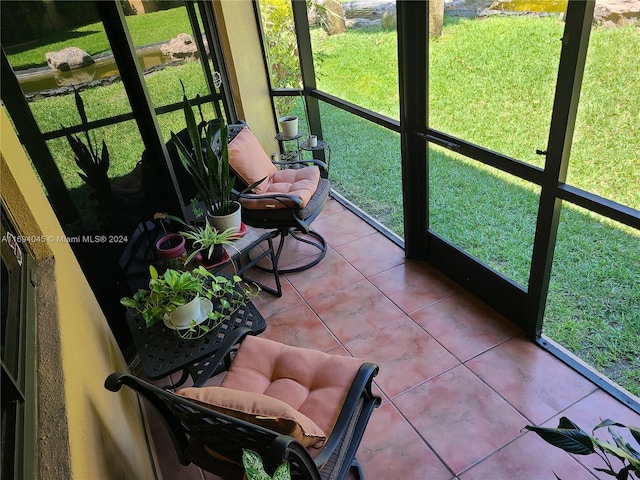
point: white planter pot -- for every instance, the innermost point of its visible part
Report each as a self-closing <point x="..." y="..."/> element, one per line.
<point x="289" y="125"/>
<point x="182" y="316"/>
<point x="223" y="222"/>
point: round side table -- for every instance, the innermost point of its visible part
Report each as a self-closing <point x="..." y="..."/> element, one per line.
<point x="322" y="145"/>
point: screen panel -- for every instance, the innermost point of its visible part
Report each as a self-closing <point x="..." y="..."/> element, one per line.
<point x="489" y="214"/>
<point x="492" y="81"/>
<point x="605" y="154"/>
<point x="593" y="305"/>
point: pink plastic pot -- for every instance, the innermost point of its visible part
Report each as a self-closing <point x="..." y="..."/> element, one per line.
<point x="171" y="246"/>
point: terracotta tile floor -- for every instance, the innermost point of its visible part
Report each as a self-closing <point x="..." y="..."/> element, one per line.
<point x="458" y="381"/>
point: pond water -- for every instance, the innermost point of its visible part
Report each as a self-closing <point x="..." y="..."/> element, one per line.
<point x="41" y="79"/>
<point x="550" y="6"/>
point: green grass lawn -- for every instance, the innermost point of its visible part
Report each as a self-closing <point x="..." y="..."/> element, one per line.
<point x="491" y="82"/>
<point x="145" y="29"/>
<point x="123" y="139"/>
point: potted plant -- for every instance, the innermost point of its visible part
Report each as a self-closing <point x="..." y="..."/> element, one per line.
<point x="171" y="246"/>
<point x="189" y="302"/>
<point x="289" y="122"/>
<point x="289" y="125"/>
<point x="571" y="438"/>
<point x="208" y="243"/>
<point x="209" y="168"/>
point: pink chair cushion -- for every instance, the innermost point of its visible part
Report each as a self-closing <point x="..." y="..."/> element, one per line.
<point x="314" y="383"/>
<point x="249" y="161"/>
<point x="260" y="410"/>
<point x="301" y="183"/>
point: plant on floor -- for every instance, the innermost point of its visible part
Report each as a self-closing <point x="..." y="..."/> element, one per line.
<point x="571" y="438"/>
<point x="174" y="289"/>
<point x="254" y="468"/>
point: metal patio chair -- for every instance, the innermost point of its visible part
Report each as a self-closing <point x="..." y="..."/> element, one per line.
<point x="285" y="403"/>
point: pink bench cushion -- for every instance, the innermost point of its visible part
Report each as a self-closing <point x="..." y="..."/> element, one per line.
<point x="249" y="161"/>
<point x="314" y="383"/>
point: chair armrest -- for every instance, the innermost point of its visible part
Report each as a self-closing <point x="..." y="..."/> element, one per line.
<point x="283" y="198"/>
<point x="298" y="457"/>
<point x="224" y="434"/>
<point x="319" y="163"/>
<point x="114" y="381"/>
<point x="360" y="389"/>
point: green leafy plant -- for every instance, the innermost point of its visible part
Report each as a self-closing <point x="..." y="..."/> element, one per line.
<point x="209" y="167"/>
<point x="571" y="438"/>
<point x="175" y="288"/>
<point x="205" y="238"/>
<point x="254" y="468"/>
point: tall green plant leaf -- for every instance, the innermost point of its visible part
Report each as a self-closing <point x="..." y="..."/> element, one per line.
<point x="208" y="166"/>
<point x="622" y="450"/>
<point x="635" y="431"/>
<point x="214" y="167"/>
<point x="572" y="440"/>
<point x="191" y="158"/>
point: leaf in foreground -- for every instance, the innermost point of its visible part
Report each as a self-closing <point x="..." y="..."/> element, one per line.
<point x="572" y="440"/>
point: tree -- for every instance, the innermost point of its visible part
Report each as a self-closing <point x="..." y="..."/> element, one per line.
<point x="282" y="50"/>
<point x="335" y="17"/>
<point x="436" y="17"/>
